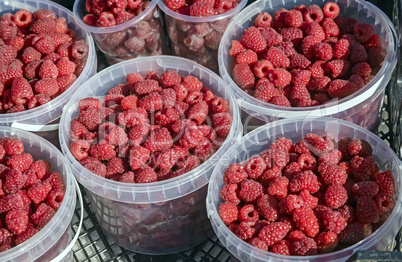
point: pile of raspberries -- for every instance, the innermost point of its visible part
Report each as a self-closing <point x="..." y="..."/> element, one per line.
<point x="201" y="8"/>
<point x="312" y="197"/>
<point x="30" y="193"/>
<point x="306" y="56"/>
<point x="40" y="58"/>
<point x="150" y="129"/>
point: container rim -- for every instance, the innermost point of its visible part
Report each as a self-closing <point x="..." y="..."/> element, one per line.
<point x="371" y="89"/>
<point x="195" y="19"/>
<point x="100" y="184"/>
<point x="63" y="213"/>
<point x="260" y="254"/>
<point x="61" y="99"/>
<point x="111" y="29"/>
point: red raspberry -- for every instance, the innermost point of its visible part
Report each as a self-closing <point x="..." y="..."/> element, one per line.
<point x="336" y="196"/>
<point x="305" y="180"/>
<point x="48" y="70"/>
<point x="275" y="157"/>
<point x="299" y="61"/>
<point x="64" y="66"/>
<point x="293" y="18"/>
<point x="169" y="78"/>
<point x="254" y="167"/>
<point x="24" y="236"/>
<point x="248" y="213"/>
<point x="363" y="32"/>
<point x="14" y="181"/>
<point x="43" y="13"/>
<point x="263" y="20"/>
<point x="16" y="42"/>
<point x="236" y="48"/>
<point x="333" y="157"/>
<point x="363" y="168"/>
<point x="295" y="235"/>
<point x="326" y="242"/>
<point x="308" y="199"/>
<point x="265" y="91"/>
<point x="89" y="103"/>
<point x="115" y="166"/>
<point x="337" y="68"/>
<point x="39" y="191"/>
<point x="272" y="37"/>
<point x="228" y="212"/>
<point x="385" y="203"/>
<point x="30" y="54"/>
<point x="192" y="83"/>
<point x="277" y="57"/>
<point x="313" y="13"/>
<point x="20" y="162"/>
<point x="366" y="188"/>
<point x="305" y="246"/>
<point x="245" y="231"/>
<point x="366" y="211"/>
<point x="307" y="162"/>
<point x="145" y="175"/>
<point x="261" y="244"/>
<point x="348" y="212"/>
<point x="8" y="30"/>
<point x="222" y="123"/>
<point x="79" y="149"/>
<point x="279" y="77"/>
<point x="268" y="208"/>
<point x="230" y="192"/>
<point x="332" y="174"/>
<point x="198" y="112"/>
<point x="43" y="43"/>
<point x="352" y="234"/>
<point x="220" y="105"/>
<point x="151" y="102"/>
<point x="341" y="88"/>
<point x="96" y="168"/>
<point x="281" y="247"/>
<point x="323" y="51"/>
<point x="290" y="203"/>
<point x="375" y="40"/>
<point x="317" y="69"/>
<point x="331" y="29"/>
<point x="127" y="177"/>
<point x="175" y="4"/>
<point x="17" y="221"/>
<point x="202" y="9"/>
<point x="341" y="49"/>
<point x="273" y="233"/>
<point x="359" y="147"/>
<point x="278" y="187"/>
<point x="261" y="68"/>
<point x="385" y="182"/>
<point x="248" y="57"/>
<point x="282" y="143"/>
<point x="279" y="19"/>
<point x="106" y="19"/>
<point x="144" y="87"/>
<point x="306" y="221"/>
<point x="47" y="86"/>
<point x="331" y="10"/>
<point x="308" y="44"/>
<point x="158" y="140"/>
<point x="361" y="69"/>
<point x="10" y="202"/>
<point x="300" y="77"/>
<point x="250" y="190"/>
<point x="290" y="34"/>
<point x="253" y="39"/>
<point x="56" y="181"/>
<point x="21" y="91"/>
<point x="234" y="174"/>
<point x="22" y="18"/>
<point x="43" y="215"/>
<point x="315" y="29"/>
<point x="102" y="150"/>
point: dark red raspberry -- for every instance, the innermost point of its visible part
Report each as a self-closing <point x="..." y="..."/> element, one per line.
<point x="385" y="182"/>
<point x="376" y="55"/>
<point x="359" y="147"/>
<point x="366" y="210"/>
<point x="273" y="233"/>
<point x="304" y="247"/>
<point x="337" y="68"/>
<point x="385" y="203"/>
<point x="366" y="188"/>
<point x="352" y="234"/>
<point x="358" y="54"/>
<point x="332" y="174"/>
<point x="228" y="212"/>
<point x="326" y="242"/>
<point x="281" y="247"/>
<point x="250" y="191"/>
<point x="363" y="32"/>
<point x="363" y="168"/>
<point x="306" y="221"/>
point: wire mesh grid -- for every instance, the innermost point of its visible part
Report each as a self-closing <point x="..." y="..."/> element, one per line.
<point x="94" y="245"/>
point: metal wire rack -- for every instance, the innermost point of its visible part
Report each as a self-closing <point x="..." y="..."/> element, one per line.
<point x="94" y="245"/>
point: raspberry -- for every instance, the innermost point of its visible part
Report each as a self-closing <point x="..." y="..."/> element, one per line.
<point x="22" y="18"/>
<point x="48" y="70"/>
<point x="89" y="103"/>
<point x="79" y="50"/>
<point x="358" y="54"/>
<point x="385" y="182"/>
<point x="362" y="69"/>
<point x="245" y="230"/>
<point x="348" y="212"/>
<point x="265" y="91"/>
<point x="14" y="181"/>
<point x="21" y="162"/>
<point x="151" y="102"/>
<point x="341" y="88"/>
<point x="352" y="234"/>
<point x="317" y="69"/>
<point x="236" y="48"/>
<point x="337" y="68"/>
<point x="43" y="215"/>
<point x="365" y="188"/>
<point x="102" y="150"/>
<point x="96" y="168"/>
<point x="272" y="37"/>
<point x="168" y="78"/>
<point x="326" y="242"/>
<point x="308" y="199"/>
<point x="234" y="174"/>
<point x="192" y="83"/>
<point x="300" y="77"/>
<point x="39" y="191"/>
<point x="295" y="235"/>
<point x="333" y="157"/>
<point x="47" y="86"/>
<point x="8" y="30"/>
<point x="375" y="40"/>
<point x="17" y="221"/>
<point x="175" y="4"/>
<point x="56" y="181"/>
<point x="268" y="207"/>
<point x="360" y="148"/>
<point x="278" y="187"/>
<point x="305" y="246"/>
<point x="273" y="233"/>
<point x="287" y="48"/>
<point x="323" y="51"/>
<point x="315" y="29"/>
<point x="220" y="105"/>
<point x="64" y="66"/>
<point x="330" y="28"/>
<point x="43" y="13"/>
<point x="306" y="221"/>
<point x="363" y="32"/>
<point x="307" y="162"/>
<point x="228" y="212"/>
<point x="248" y="213"/>
<point x="261" y="68"/>
<point x="229" y="192"/>
<point x="332" y="174"/>
<point x="250" y="191"/>
<point x="253" y="40"/>
<point x="24" y="236"/>
<point x="376" y="56"/>
<point x="363" y="168"/>
<point x="305" y="180"/>
<point x="198" y="112"/>
<point x="282" y="143"/>
<point x="79" y="149"/>
<point x="10" y="202"/>
<point x="385" y="203"/>
<point x="275" y="157"/>
<point x="291" y="202"/>
<point x="159" y="140"/>
<point x="366" y="210"/>
<point x="279" y="19"/>
<point x="336" y="196"/>
<point x="293" y="18"/>
<point x="106" y="19"/>
<point x="8" y="54"/>
<point x="43" y="43"/>
<point x="308" y="44"/>
<point x="21" y="91"/>
<point x="202" y="9"/>
<point x="248" y="57"/>
<point x="291" y="34"/>
<point x="341" y="49"/>
<point x="222" y="123"/>
<point x="263" y="20"/>
<point x="116" y="166"/>
<point x="277" y="57"/>
<point x="145" y="175"/>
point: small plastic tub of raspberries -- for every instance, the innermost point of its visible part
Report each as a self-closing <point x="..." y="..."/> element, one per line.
<point x="311" y="58"/>
<point x="317" y="189"/>
<point x="44" y="58"/>
<point x="123" y="29"/>
<point x="37" y="199"/>
<point x="142" y="137"/>
<point x="195" y="28"/>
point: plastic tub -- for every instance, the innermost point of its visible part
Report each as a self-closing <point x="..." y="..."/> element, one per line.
<point x="258" y="140"/>
<point x="182" y="31"/>
<point x="35" y="119"/>
<point x="154" y="43"/>
<point x="53" y="238"/>
<point x="156" y="218"/>
<point x="362" y="107"/>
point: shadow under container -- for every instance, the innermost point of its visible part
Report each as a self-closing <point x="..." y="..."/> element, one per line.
<point x="150" y="218"/>
<point x="56" y="235"/>
<point x="144" y="35"/>
<point x="258" y="140"/>
<point x="362" y="107"/>
<point x="198" y="38"/>
<point x="38" y="119"/>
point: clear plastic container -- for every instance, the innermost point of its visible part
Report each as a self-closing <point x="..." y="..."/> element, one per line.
<point x="53" y="238"/>
<point x="362" y="107"/>
<point x="34" y="119"/>
<point x="155" y="218"/>
<point x="114" y="41"/>
<point x="256" y="141"/>
<point x="185" y="30"/>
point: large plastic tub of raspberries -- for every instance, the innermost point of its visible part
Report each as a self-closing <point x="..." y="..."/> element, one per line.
<point x="314" y="189"/>
<point x="320" y="59"/>
<point x="123" y="29"/>
<point x="195" y="28"/>
<point x="142" y="137"/>
<point x="44" y="58"/>
<point x="37" y="198"/>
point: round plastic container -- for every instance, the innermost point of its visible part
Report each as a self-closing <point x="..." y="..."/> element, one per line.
<point x="35" y="119"/>
<point x="198" y="38"/>
<point x="155" y="218"/>
<point x="256" y="141"/>
<point x="362" y="107"/>
<point x="117" y="42"/>
<point x="53" y="238"/>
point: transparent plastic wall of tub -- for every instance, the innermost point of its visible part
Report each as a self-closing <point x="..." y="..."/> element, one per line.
<point x="53" y="238"/>
<point x="154" y="218"/>
<point x="34" y="119"/>
<point x="361" y="108"/>
<point x="144" y="35"/>
<point x="198" y="38"/>
<point x="259" y="139"/>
